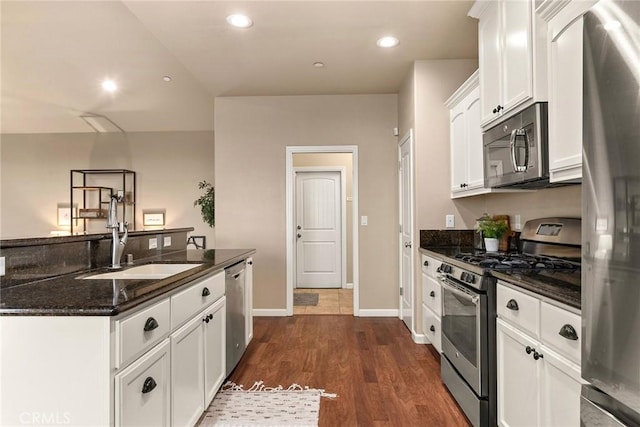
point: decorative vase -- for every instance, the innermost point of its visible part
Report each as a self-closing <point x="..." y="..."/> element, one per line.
<point x="491" y="244"/>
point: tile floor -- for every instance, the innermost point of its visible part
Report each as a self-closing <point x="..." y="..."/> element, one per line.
<point x="330" y="301"/>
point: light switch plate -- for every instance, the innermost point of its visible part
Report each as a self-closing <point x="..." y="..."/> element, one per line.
<point x="450" y="221"/>
<point x="1" y="266"/>
<point x="518" y="222"/>
<point x="364" y="220"/>
<point x="153" y="243"/>
<point x="167" y="241"/>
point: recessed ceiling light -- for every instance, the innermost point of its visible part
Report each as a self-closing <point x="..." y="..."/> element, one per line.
<point x="318" y="64"/>
<point x="167" y="78"/>
<point x="240" y="21"/>
<point x="109" y="85"/>
<point x="388" y="41"/>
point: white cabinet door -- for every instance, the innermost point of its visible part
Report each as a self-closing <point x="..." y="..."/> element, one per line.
<point x="475" y="167"/>
<point x="565" y="104"/>
<point x="518" y="377"/>
<point x="214" y="349"/>
<point x="142" y="390"/>
<point x="489" y="52"/>
<point x="517" y="53"/>
<point x="459" y="154"/>
<point x="187" y="373"/>
<point x="559" y="391"/>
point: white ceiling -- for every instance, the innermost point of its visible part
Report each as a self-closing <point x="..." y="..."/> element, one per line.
<point x="55" y="54"/>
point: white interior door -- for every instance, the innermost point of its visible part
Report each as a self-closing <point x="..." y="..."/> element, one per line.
<point x="406" y="230"/>
<point x="318" y="230"/>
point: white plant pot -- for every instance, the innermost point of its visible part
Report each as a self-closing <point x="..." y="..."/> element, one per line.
<point x="491" y="244"/>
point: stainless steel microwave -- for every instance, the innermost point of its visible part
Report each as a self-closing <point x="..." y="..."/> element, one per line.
<point x="516" y="151"/>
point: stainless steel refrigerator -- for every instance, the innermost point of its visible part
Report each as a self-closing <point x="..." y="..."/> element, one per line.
<point x="611" y="215"/>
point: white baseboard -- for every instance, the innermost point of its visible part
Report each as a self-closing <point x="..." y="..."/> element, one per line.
<point x="393" y="312"/>
<point x="270" y="312"/>
<point x="420" y="338"/>
<point x="348" y="286"/>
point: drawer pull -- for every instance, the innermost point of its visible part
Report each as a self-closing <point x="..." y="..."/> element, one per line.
<point x="426" y="263"/>
<point x="206" y="292"/>
<point x="207" y="318"/>
<point x="568" y="332"/>
<point x="432" y="294"/>
<point x="432" y="328"/>
<point x="150" y="324"/>
<point x="149" y="385"/>
<point x="513" y="305"/>
<point x="250" y="262"/>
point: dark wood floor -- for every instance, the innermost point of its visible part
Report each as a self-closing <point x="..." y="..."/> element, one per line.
<point x="381" y="376"/>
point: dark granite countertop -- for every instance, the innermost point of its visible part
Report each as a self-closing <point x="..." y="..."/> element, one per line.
<point x="545" y="285"/>
<point x="69" y="295"/>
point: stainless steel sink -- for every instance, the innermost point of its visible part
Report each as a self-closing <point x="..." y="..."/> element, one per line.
<point x="147" y="271"/>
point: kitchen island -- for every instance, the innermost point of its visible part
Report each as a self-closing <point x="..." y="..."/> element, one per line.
<point x="100" y="352"/>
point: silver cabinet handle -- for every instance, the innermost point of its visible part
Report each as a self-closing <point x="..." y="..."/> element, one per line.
<point x="515" y="134"/>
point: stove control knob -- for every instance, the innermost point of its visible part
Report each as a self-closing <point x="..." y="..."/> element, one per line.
<point x="464" y="276"/>
<point x="472" y="278"/>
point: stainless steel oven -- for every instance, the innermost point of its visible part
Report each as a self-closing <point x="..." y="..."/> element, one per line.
<point x="468" y="341"/>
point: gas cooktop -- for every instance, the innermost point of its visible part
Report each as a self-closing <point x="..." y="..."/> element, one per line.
<point x="516" y="261"/>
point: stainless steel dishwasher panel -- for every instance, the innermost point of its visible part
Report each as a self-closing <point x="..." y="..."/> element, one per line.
<point x="235" y="293"/>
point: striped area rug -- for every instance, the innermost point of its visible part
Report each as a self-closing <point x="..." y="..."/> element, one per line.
<point x="264" y="406"/>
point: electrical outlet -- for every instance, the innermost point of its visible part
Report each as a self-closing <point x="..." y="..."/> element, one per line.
<point x="153" y="243"/>
<point x="518" y="222"/>
<point x="450" y="221"/>
<point x="167" y="241"/>
<point x="1" y="266"/>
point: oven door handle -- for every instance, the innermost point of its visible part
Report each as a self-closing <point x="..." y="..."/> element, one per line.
<point x="468" y="295"/>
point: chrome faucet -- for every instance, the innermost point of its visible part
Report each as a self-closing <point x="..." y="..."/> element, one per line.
<point x="117" y="244"/>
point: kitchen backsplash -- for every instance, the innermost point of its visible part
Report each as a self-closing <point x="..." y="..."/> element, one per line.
<point x="28" y="260"/>
<point x="435" y="238"/>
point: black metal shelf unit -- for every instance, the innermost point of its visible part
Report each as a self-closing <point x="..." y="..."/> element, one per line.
<point x="91" y="191"/>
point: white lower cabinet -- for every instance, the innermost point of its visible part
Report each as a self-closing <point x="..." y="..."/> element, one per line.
<point x="538" y="376"/>
<point x="187" y="373"/>
<point x="431" y="302"/>
<point x="518" y="376"/>
<point x="214" y="353"/>
<point x="142" y="390"/>
<point x="197" y="364"/>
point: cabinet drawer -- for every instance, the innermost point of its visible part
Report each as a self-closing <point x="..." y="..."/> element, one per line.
<point x="431" y="327"/>
<point x="432" y="294"/>
<point x="139" y="332"/>
<point x="557" y="322"/>
<point x="195" y="298"/>
<point x="519" y="309"/>
<point x="142" y="391"/>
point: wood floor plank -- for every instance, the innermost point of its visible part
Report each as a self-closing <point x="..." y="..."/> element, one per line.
<point x="381" y="376"/>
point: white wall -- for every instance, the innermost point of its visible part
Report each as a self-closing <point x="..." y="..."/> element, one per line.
<point x="252" y="134"/>
<point x="35" y="175"/>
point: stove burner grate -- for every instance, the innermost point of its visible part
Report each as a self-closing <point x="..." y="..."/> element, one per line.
<point x="510" y="262"/>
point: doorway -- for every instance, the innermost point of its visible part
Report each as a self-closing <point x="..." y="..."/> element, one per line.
<point x="320" y="217"/>
<point x="322" y="243"/>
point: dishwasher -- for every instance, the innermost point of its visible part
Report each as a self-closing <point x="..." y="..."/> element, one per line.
<point x="235" y="329"/>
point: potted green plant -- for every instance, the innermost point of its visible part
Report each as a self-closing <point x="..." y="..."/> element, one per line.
<point x="207" y="203"/>
<point x="492" y="230"/>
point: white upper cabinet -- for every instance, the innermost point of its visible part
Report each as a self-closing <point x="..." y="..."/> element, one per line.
<point x="467" y="170"/>
<point x="565" y="87"/>
<point x="512" y="57"/>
